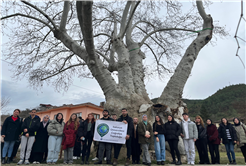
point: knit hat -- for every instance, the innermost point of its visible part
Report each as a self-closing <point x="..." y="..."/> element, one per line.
<point x="144" y="115"/>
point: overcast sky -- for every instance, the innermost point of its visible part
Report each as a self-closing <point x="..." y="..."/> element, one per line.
<point x="216" y="67"/>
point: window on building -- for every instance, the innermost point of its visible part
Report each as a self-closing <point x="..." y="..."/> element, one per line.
<point x="79" y="114"/>
<point x="96" y="116"/>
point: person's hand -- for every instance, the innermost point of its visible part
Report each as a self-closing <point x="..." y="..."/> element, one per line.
<point x="194" y="140"/>
<point x="27" y="135"/>
<point x="127" y="137"/>
<point x="155" y="133"/>
<point x="235" y="141"/>
<point x="124" y="121"/>
<point x="146" y="136"/>
<point x="157" y="139"/>
<point x="182" y="135"/>
<point x="25" y="130"/>
<point x="81" y="138"/>
<point x="3" y="136"/>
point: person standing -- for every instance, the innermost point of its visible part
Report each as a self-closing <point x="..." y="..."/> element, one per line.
<point x="125" y="118"/>
<point x="159" y="140"/>
<point x="40" y="146"/>
<point x="104" y="145"/>
<point x="86" y="133"/>
<point x="229" y="138"/>
<point x="241" y="135"/>
<point x="173" y="131"/>
<point x="213" y="142"/>
<point x="69" y="131"/>
<point x="189" y="134"/>
<point x="144" y="138"/>
<point x="55" y="131"/>
<point x="136" y="149"/>
<point x="10" y="132"/>
<point x="114" y="116"/>
<point x="30" y="127"/>
<point x="201" y="142"/>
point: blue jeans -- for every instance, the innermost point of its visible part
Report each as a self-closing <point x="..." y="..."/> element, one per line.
<point x="230" y="150"/>
<point x="8" y="147"/>
<point x="160" y="148"/>
<point x="54" y="145"/>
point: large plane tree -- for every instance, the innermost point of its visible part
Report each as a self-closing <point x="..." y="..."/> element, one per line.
<point x="54" y="41"/>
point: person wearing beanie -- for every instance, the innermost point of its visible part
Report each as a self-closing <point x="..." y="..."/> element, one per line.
<point x="173" y="131"/>
<point x="189" y="134"/>
<point x="229" y="138"/>
<point x="144" y="138"/>
<point x="241" y="135"/>
<point x="213" y="142"/>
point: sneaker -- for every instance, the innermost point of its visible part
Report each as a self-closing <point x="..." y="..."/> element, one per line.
<point x="64" y="162"/>
<point x="74" y="157"/>
<point x="48" y="163"/>
<point x="178" y="163"/>
<point x="20" y="162"/>
<point x="37" y="162"/>
<point x="95" y="159"/>
<point x="53" y="163"/>
<point x="98" y="162"/>
<point x="26" y="162"/>
<point x="34" y="162"/>
<point x="192" y="163"/>
<point x="105" y="158"/>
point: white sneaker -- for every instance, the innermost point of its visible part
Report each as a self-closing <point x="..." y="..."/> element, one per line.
<point x="20" y="162"/>
<point x="192" y="163"/>
<point x="188" y="163"/>
<point x="105" y="158"/>
<point x="34" y="162"/>
<point x="26" y="162"/>
<point x="95" y="159"/>
<point x="37" y="162"/>
<point x="74" y="157"/>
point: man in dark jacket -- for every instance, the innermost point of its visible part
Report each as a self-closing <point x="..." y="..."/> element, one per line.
<point x="105" y="145"/>
<point x="11" y="130"/>
<point x="29" y="128"/>
<point x="136" y="150"/>
<point x="127" y="120"/>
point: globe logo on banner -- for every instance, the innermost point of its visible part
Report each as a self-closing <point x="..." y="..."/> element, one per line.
<point x="102" y="129"/>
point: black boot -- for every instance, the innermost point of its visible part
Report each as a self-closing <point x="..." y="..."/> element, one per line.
<point x="99" y="162"/>
<point x="3" y="160"/>
<point x="178" y="163"/>
<point x="109" y="162"/>
<point x="230" y="162"/>
<point x="162" y="163"/>
<point x="158" y="163"/>
<point x="234" y="162"/>
<point x="173" y="162"/>
<point x="82" y="161"/>
<point x="8" y="160"/>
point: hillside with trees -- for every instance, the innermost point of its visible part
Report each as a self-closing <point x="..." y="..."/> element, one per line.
<point x="228" y="102"/>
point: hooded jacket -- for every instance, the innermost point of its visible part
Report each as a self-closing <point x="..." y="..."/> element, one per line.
<point x="222" y="132"/>
<point x="212" y="134"/>
<point x="241" y="133"/>
<point x="55" y="128"/>
<point x="192" y="129"/>
<point x="32" y="125"/>
<point x="173" y="130"/>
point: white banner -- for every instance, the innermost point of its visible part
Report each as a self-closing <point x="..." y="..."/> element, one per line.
<point x="110" y="131"/>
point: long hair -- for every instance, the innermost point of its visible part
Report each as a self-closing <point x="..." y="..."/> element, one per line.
<point x="92" y="120"/>
<point x="57" y="117"/>
<point x="159" y="121"/>
<point x="201" y="121"/>
<point x="75" y="121"/>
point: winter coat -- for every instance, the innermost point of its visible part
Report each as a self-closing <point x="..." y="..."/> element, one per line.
<point x="55" y="127"/>
<point x="69" y="135"/>
<point x="173" y="130"/>
<point x="130" y="123"/>
<point x="41" y="139"/>
<point x="222" y="133"/>
<point x="82" y="130"/>
<point x="192" y="129"/>
<point x="241" y="135"/>
<point x="32" y="125"/>
<point x="212" y="134"/>
<point x="142" y="128"/>
<point x="107" y="119"/>
<point x="11" y="129"/>
<point x="202" y="132"/>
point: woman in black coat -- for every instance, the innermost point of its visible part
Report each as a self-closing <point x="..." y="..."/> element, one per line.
<point x="229" y="138"/>
<point x="86" y="133"/>
<point x="172" y="136"/>
<point x="11" y="130"/>
<point x="201" y="142"/>
<point x="40" y="146"/>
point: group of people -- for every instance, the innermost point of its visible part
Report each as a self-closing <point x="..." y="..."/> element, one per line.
<point x="43" y="141"/>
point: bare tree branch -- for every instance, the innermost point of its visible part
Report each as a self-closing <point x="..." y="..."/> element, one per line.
<point x="64" y="15"/>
